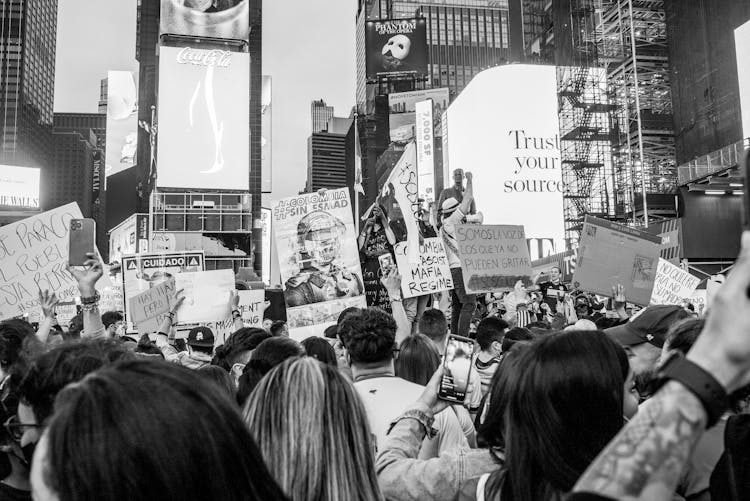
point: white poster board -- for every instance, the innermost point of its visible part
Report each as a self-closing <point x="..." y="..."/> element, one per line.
<point x="148" y="309"/>
<point x="429" y="274"/>
<point x="206" y="295"/>
<point x="672" y="284"/>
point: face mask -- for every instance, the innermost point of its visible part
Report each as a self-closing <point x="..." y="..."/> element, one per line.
<point x="120" y="331"/>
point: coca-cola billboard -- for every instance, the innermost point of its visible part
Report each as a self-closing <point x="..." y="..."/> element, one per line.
<point x="204" y="126"/>
<point x="227" y="19"/>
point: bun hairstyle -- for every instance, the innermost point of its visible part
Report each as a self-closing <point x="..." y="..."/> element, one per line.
<point x="238" y="344"/>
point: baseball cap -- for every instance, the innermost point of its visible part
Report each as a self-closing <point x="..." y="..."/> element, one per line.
<point x="651" y="325"/>
<point x="449" y="205"/>
<point x="200" y="336"/>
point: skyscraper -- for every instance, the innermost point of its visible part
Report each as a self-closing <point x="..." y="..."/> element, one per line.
<point x="28" y="31"/>
<point x="320" y="114"/>
<point x="330" y="156"/>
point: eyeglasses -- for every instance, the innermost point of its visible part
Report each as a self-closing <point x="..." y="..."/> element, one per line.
<point x="16" y="429"/>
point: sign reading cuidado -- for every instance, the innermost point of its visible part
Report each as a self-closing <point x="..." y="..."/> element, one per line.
<point x="493" y="257"/>
<point x="672" y="285"/>
<point x="429" y="274"/>
<point x="34" y="257"/>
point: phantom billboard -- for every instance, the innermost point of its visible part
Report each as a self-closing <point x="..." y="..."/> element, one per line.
<point x="396" y="46"/>
<point x="204" y="126"/>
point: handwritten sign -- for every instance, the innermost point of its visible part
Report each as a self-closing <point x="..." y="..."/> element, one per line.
<point x="33" y="257"/>
<point x="493" y="257"/>
<point x="206" y="295"/>
<point x="148" y="309"/>
<point x="65" y="313"/>
<point x="429" y="274"/>
<point x="672" y="284"/>
<point x="111" y="299"/>
<point x="251" y="307"/>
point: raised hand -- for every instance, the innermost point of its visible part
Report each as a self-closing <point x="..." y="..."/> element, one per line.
<point x="88" y="274"/>
<point x="48" y="302"/>
<point x="392" y="282"/>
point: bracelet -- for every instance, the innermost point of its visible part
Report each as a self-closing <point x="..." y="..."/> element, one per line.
<point x="90" y="299"/>
<point x="90" y="306"/>
<point x="236" y="314"/>
<point x="170" y="315"/>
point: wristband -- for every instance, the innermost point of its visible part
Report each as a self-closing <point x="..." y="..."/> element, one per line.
<point x="236" y="314"/>
<point x="90" y="299"/>
<point x="699" y="382"/>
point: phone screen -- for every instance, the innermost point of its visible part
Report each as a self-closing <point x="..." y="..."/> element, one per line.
<point x="456" y="369"/>
<point x="386" y="262"/>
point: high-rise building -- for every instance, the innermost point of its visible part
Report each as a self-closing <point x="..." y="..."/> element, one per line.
<point x="103" y="90"/>
<point x="320" y="113"/>
<point x="83" y="123"/>
<point x="331" y="156"/>
<point x="71" y="177"/>
<point x="28" y="31"/>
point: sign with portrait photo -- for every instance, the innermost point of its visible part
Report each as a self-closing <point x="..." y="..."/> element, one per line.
<point x="318" y="259"/>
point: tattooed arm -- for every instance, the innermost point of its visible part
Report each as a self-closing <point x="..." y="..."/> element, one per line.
<point x="644" y="461"/>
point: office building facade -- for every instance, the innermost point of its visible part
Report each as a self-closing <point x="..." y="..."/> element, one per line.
<point x="320" y="114"/>
<point x="28" y="33"/>
<point x="331" y="156"/>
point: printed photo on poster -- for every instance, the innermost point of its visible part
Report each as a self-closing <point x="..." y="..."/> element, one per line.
<point x="318" y="258"/>
<point x="228" y="19"/>
<point x="396" y="46"/>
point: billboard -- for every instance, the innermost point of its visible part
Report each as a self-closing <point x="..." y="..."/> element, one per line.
<point x="122" y="121"/>
<point x="504" y="128"/>
<point x="396" y="46"/>
<point x="129" y="237"/>
<point x="402" y="112"/>
<point x="19" y="187"/>
<point x="742" y="46"/>
<point x="204" y="126"/>
<point x="425" y="151"/>
<point x="265" y="136"/>
<point x="228" y="19"/>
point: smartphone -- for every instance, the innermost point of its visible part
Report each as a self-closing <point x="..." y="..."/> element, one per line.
<point x="82" y="235"/>
<point x="386" y="262"/>
<point x="457" y="364"/>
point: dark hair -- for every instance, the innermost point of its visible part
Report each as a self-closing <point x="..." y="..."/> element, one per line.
<point x="433" y="324"/>
<point x="16" y="338"/>
<point x="320" y="349"/>
<point x="146" y="347"/>
<point x="682" y="336"/>
<point x="342" y="316"/>
<point x="52" y="371"/>
<point x="276" y="327"/>
<point x="564" y="409"/>
<point x="489" y="330"/>
<point x="538" y="325"/>
<point x="331" y="332"/>
<point x="370" y="335"/>
<point x="236" y="345"/>
<point x="265" y="357"/>
<point x="417" y="359"/>
<point x="197" y="445"/>
<point x="221" y="378"/>
<point x="515" y="335"/>
<point x="111" y="317"/>
<point x="74" y="328"/>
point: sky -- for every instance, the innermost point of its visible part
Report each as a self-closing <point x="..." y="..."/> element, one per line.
<point x="308" y="50"/>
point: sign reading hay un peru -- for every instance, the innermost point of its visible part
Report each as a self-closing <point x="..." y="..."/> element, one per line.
<point x="493" y="257"/>
<point x="318" y="259"/>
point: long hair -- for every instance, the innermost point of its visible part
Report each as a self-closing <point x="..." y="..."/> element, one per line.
<point x="563" y="410"/>
<point x="165" y="434"/>
<point x="417" y="359"/>
<point x="313" y="432"/>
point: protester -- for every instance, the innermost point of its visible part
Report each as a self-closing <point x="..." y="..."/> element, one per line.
<point x="321" y="450"/>
<point x="490" y="334"/>
<point x="516" y="335"/>
<point x="221" y="379"/>
<point x="552" y="290"/>
<point x="233" y="355"/>
<point x="321" y="350"/>
<point x="114" y="323"/>
<point x="279" y="328"/>
<point x="265" y="357"/>
<point x="376" y="239"/>
<point x="175" y="439"/>
<point x="370" y="336"/>
<point x="147" y="348"/>
<point x="456" y="191"/>
<point x="462" y="303"/>
<point x="200" y="347"/>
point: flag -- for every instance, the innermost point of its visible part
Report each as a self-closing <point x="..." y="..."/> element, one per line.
<point x="357" y="161"/>
<point x="402" y="183"/>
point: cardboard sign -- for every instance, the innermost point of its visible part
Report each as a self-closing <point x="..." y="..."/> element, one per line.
<point x="672" y="285"/>
<point x="148" y="309"/>
<point x="318" y="259"/>
<point x="429" y="274"/>
<point x="65" y="313"/>
<point x="493" y="257"/>
<point x="144" y="271"/>
<point x="34" y="257"/>
<point x="206" y="295"/>
<point x="111" y="299"/>
<point x="251" y="308"/>
<point x="611" y="254"/>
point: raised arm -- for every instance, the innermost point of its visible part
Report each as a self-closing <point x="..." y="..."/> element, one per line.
<point x="645" y="460"/>
<point x="48" y="302"/>
<point x="392" y="283"/>
<point x="465" y="206"/>
<point x="87" y="276"/>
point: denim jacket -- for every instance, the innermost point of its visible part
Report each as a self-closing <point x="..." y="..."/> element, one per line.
<point x="403" y="477"/>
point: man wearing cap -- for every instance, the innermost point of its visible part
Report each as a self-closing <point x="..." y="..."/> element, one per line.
<point x="456" y="191"/>
<point x="200" y="343"/>
<point x="643" y="338"/>
<point x="462" y="304"/>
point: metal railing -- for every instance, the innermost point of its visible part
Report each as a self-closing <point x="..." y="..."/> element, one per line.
<point x="716" y="161"/>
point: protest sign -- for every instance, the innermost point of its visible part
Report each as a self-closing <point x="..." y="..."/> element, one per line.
<point x="429" y="274"/>
<point x="672" y="284"/>
<point x="148" y="309"/>
<point x="206" y="295"/>
<point x="402" y="186"/>
<point x="318" y="259"/>
<point x="251" y="308"/>
<point x="65" y="313"/>
<point x="611" y="254"/>
<point x="34" y="257"/>
<point x="111" y="299"/>
<point x="493" y="257"/>
<point x="144" y="271"/>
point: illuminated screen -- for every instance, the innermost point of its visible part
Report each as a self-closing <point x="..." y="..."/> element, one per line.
<point x="122" y="121"/>
<point x="19" y="187"/>
<point x="503" y="127"/>
<point x="204" y="127"/>
<point x="742" y="44"/>
<point x="228" y="19"/>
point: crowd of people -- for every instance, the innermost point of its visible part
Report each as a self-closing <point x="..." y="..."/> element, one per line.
<point x="570" y="396"/>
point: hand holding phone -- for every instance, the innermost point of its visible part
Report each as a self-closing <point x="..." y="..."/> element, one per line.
<point x="386" y="263"/>
<point x="81" y="241"/>
<point x="457" y="365"/>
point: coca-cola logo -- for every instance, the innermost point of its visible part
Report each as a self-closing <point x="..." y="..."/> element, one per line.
<point x="217" y="58"/>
